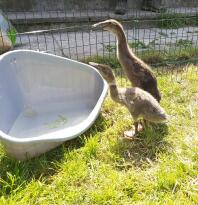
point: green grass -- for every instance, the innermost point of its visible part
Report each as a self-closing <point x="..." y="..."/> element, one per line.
<point x="184" y="43"/>
<point x="101" y="167"/>
<point x="168" y="20"/>
<point x="181" y="52"/>
<point x="184" y="52"/>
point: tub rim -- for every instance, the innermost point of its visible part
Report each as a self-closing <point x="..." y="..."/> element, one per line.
<point x="59" y="135"/>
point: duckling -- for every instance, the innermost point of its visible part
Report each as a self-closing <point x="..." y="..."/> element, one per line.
<point x="140" y="103"/>
<point x="139" y="73"/>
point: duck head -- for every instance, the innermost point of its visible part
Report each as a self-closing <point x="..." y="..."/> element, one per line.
<point x="109" y="25"/>
<point x="105" y="71"/>
<point x="156" y="114"/>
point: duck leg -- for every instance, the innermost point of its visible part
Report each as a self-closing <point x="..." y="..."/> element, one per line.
<point x="143" y="123"/>
<point x="138" y="127"/>
<point x="132" y="132"/>
<point x="136" y="124"/>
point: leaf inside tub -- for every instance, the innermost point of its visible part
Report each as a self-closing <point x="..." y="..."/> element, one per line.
<point x="61" y="120"/>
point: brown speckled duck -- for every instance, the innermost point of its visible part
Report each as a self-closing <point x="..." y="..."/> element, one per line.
<point x="136" y="70"/>
<point x="139" y="102"/>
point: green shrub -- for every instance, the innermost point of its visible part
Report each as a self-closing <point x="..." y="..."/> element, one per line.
<point x="167" y="20"/>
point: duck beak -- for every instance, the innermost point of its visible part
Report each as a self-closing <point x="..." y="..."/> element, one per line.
<point x="99" y="25"/>
<point x="93" y="64"/>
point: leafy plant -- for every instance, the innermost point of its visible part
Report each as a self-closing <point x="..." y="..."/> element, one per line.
<point x="184" y="43"/>
<point x="12" y="35"/>
<point x="153" y="43"/>
<point x="110" y="48"/>
<point x="137" y="44"/>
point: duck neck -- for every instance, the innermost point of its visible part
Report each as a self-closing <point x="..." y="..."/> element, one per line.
<point x="125" y="55"/>
<point x="121" y="40"/>
<point x="114" y="93"/>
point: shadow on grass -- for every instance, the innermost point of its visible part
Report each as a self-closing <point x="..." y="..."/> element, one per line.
<point x="16" y="174"/>
<point x="144" y="149"/>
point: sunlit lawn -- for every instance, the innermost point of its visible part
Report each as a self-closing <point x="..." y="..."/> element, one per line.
<point x="101" y="167"/>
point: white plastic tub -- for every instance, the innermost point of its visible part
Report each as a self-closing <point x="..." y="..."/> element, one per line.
<point x="45" y="100"/>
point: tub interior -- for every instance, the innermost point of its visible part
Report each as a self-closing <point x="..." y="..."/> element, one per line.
<point x="32" y="122"/>
<point x="40" y="93"/>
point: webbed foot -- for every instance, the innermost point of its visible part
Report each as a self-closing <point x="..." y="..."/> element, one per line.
<point x="131" y="134"/>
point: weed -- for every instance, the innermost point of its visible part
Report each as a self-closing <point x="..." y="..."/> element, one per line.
<point x="168" y="21"/>
<point x="163" y="34"/>
<point x="137" y="44"/>
<point x="12" y="35"/>
<point x="110" y="48"/>
<point x="101" y="167"/>
<point x="155" y="57"/>
<point x="184" y="43"/>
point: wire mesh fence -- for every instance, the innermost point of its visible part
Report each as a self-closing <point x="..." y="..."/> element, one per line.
<point x="159" y="34"/>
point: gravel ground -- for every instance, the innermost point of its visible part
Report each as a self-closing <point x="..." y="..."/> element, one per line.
<point x="80" y="44"/>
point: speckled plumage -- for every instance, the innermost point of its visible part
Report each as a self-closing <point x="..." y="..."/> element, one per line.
<point x="139" y="73"/>
<point x="140" y="103"/>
